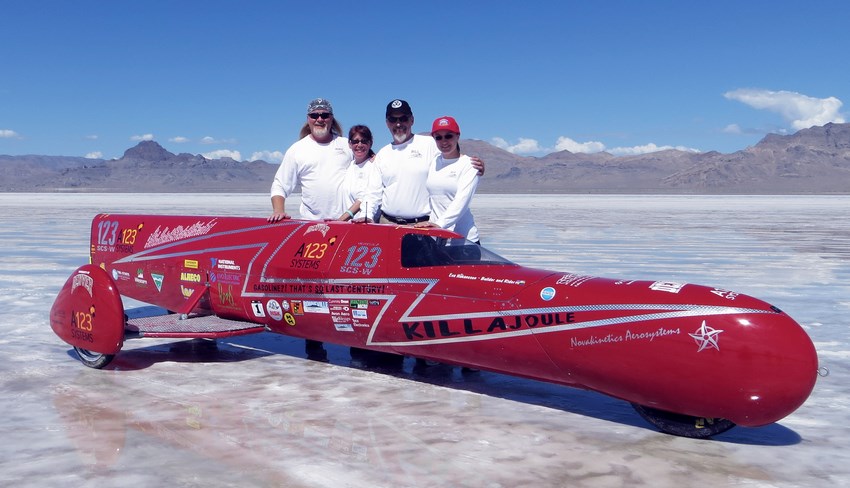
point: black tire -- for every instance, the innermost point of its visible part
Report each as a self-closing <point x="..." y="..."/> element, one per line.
<point x="93" y="359"/>
<point x="683" y="425"/>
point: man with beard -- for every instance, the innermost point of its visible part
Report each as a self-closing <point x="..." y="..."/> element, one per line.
<point x="402" y="169"/>
<point x="318" y="161"/>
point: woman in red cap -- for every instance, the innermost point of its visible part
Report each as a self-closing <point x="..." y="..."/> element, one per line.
<point x="451" y="183"/>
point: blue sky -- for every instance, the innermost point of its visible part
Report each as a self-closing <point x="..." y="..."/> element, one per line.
<point x="92" y="78"/>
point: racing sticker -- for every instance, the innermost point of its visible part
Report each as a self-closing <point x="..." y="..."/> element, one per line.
<point x="547" y="293"/>
<point x="668" y="286"/>
<point x="257" y="308"/>
<point x="112" y="239"/>
<point x="706" y="337"/>
<point x="309" y="254"/>
<point x="312" y="306"/>
<point x="289" y="319"/>
<point x="274" y="309"/>
<point x="573" y="280"/>
<point x="361" y="259"/>
<point x="165" y="235"/>
<point x="157" y="280"/>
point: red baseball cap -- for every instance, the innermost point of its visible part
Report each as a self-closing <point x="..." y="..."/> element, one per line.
<point x="445" y="123"/>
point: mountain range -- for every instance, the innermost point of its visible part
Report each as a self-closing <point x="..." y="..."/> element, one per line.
<point x="814" y="160"/>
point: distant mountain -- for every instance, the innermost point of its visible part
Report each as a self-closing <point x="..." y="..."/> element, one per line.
<point x="146" y="167"/>
<point x="814" y="160"/>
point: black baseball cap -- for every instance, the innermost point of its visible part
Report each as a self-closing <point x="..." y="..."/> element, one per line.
<point x="398" y="105"/>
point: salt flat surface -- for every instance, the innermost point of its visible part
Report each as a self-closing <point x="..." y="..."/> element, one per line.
<point x="255" y="411"/>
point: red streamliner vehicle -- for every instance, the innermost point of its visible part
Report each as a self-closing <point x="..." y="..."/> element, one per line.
<point x="693" y="360"/>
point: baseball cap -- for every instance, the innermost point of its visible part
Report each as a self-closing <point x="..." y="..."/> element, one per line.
<point x="319" y="104"/>
<point x="398" y="105"/>
<point x="445" y="123"/>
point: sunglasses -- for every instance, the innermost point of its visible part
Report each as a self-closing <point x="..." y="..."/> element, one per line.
<point x="359" y="141"/>
<point x="447" y="137"/>
<point x="322" y="116"/>
<point x="403" y="118"/>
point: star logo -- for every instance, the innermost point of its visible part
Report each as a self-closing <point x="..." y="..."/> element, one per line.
<point x="706" y="337"/>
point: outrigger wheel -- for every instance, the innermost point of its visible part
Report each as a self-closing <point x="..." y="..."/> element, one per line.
<point x="93" y="359"/>
<point x="683" y="425"/>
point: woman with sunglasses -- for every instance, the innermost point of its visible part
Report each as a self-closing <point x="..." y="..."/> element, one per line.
<point x="356" y="182"/>
<point x="452" y="180"/>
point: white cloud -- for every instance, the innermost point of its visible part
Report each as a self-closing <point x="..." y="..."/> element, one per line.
<point x="733" y="129"/>
<point x="179" y="139"/>
<point x="801" y="111"/>
<point x="223" y="153"/>
<point x="524" y="146"/>
<point x="267" y="156"/>
<point x="566" y="144"/>
<point x="8" y="134"/>
<point x="145" y="137"/>
<point x="95" y="155"/>
<point x="92" y="137"/>
<point x="213" y="140"/>
<point x="646" y="149"/>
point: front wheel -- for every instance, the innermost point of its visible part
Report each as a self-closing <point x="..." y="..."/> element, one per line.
<point x="93" y="359"/>
<point x="683" y="425"/>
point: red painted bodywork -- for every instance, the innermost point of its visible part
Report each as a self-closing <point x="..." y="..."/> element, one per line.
<point x="683" y="348"/>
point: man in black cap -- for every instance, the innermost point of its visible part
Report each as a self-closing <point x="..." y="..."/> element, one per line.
<point x="402" y="167"/>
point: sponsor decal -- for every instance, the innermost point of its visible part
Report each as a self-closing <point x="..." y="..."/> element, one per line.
<point x="729" y="295"/>
<point x="275" y="310"/>
<point x="289" y="319"/>
<point x="190" y="277"/>
<point x="83" y="280"/>
<point x="228" y="264"/>
<point x="362" y="259"/>
<point x="140" y="277"/>
<point x="318" y="288"/>
<point x="359" y="314"/>
<point x="190" y="263"/>
<point x="120" y="275"/>
<point x="257" y="308"/>
<point x="321" y="228"/>
<point x="166" y="235"/>
<point x="621" y="338"/>
<point x="109" y="239"/>
<point x="547" y="293"/>
<point x="486" y="279"/>
<point x="157" y="280"/>
<point x="358" y="303"/>
<point x="297" y="307"/>
<point x="431" y="329"/>
<point x="309" y="254"/>
<point x="668" y="286"/>
<point x="284" y="305"/>
<point x="225" y="296"/>
<point x="226" y="277"/>
<point x="344" y="327"/>
<point x="82" y="324"/>
<point x="573" y="280"/>
<point x="186" y="291"/>
<point x="312" y="306"/>
<point x="706" y="337"/>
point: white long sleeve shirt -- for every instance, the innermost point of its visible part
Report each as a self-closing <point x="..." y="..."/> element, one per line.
<point x="451" y="184"/>
<point x="402" y="170"/>
<point x="355" y="186"/>
<point x="320" y="169"/>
